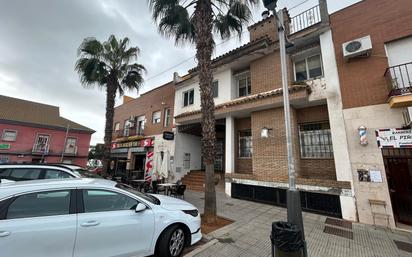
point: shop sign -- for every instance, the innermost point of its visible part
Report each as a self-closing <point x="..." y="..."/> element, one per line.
<point x="148" y="142"/>
<point x="4" y="146"/>
<point x="167" y="135"/>
<point x="394" y="138"/>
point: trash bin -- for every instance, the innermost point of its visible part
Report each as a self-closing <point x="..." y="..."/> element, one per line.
<point x="286" y="240"/>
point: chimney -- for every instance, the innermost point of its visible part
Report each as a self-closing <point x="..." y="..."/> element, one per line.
<point x="176" y="77"/>
<point x="127" y="99"/>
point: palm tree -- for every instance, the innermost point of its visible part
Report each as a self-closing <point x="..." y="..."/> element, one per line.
<point x="195" y="21"/>
<point x="109" y="66"/>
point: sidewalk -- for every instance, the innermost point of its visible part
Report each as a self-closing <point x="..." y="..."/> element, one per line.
<point x="249" y="234"/>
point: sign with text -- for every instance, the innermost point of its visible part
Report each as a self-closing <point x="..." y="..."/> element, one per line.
<point x="167" y="135"/>
<point x="4" y="146"/>
<point x="148" y="142"/>
<point x="394" y="138"/>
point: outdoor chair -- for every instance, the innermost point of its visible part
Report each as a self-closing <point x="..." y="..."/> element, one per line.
<point x="156" y="188"/>
<point x="146" y="188"/>
<point x="179" y="191"/>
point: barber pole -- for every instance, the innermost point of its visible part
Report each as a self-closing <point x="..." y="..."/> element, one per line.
<point x="149" y="166"/>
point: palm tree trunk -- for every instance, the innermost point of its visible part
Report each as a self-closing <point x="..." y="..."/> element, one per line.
<point x="204" y="47"/>
<point x="108" y="130"/>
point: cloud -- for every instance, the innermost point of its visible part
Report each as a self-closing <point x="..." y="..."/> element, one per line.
<point x="39" y="44"/>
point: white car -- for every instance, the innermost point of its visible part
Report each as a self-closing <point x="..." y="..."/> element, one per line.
<point x="92" y="217"/>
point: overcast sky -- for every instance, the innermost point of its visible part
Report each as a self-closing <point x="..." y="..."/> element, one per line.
<point x="39" y="41"/>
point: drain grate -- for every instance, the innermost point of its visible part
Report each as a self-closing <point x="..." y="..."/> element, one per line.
<point x="229" y="204"/>
<point x="338" y="232"/>
<point x="339" y="223"/>
<point x="407" y="247"/>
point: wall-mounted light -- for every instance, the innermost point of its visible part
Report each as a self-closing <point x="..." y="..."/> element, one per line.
<point x="363" y="140"/>
<point x="264" y="132"/>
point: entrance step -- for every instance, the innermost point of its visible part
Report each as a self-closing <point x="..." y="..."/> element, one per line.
<point x="194" y="180"/>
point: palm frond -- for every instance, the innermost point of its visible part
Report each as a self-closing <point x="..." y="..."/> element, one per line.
<point x="91" y="47"/>
<point x="177" y="24"/>
<point x="92" y="71"/>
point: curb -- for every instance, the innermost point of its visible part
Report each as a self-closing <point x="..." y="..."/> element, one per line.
<point x="201" y="248"/>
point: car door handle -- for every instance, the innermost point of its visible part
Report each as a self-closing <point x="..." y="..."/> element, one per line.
<point x="91" y="223"/>
<point x="4" y="233"/>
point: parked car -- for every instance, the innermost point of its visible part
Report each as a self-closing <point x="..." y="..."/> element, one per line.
<point x="22" y="172"/>
<point x="92" y="217"/>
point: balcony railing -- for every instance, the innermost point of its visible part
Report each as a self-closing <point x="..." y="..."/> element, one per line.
<point x="128" y="133"/>
<point x="40" y="148"/>
<point x="399" y="79"/>
<point x="305" y="19"/>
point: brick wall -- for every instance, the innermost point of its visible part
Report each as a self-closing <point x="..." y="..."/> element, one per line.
<point x="315" y="168"/>
<point x="270" y="154"/>
<point x="155" y="100"/>
<point x="265" y="27"/>
<point x="242" y="165"/>
<point x="361" y="80"/>
<point x="266" y="73"/>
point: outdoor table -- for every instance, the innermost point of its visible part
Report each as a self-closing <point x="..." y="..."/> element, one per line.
<point x="167" y="186"/>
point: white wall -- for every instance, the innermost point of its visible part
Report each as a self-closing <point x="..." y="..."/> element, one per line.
<point x="370" y="156"/>
<point x="337" y="124"/>
<point x="226" y="93"/>
<point x="185" y="143"/>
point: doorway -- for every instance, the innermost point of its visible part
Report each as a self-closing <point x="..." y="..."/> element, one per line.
<point x="398" y="163"/>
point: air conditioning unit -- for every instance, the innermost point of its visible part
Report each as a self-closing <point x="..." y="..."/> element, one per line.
<point x="358" y="47"/>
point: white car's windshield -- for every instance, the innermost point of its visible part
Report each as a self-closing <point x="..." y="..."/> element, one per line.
<point x="147" y="197"/>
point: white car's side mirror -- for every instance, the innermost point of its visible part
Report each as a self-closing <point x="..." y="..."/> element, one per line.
<point x="140" y="207"/>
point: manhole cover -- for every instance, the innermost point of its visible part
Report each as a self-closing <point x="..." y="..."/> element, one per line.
<point x="407" y="247"/>
<point x="338" y="232"/>
<point x="339" y="223"/>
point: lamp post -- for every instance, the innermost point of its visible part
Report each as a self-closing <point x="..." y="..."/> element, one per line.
<point x="294" y="209"/>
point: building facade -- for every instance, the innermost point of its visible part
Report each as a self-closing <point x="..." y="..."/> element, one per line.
<point x="138" y="147"/>
<point x="251" y="145"/>
<point x="373" y="52"/>
<point x="33" y="132"/>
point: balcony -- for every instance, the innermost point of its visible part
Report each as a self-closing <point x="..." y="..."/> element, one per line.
<point x="399" y="80"/>
<point x="40" y="148"/>
<point x="305" y="19"/>
<point x="128" y="133"/>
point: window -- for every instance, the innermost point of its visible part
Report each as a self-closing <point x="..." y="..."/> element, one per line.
<point x="40" y="204"/>
<point x="167" y="117"/>
<point x="215" y="88"/>
<point x="20" y="174"/>
<point x="71" y="145"/>
<point x="117" y="126"/>
<point x="186" y="161"/>
<point x="42" y="144"/>
<point x="140" y="125"/>
<point x="245" y="144"/>
<point x="9" y="135"/>
<point x="315" y="140"/>
<point x="126" y="128"/>
<point x="4" y="159"/>
<point x="56" y="174"/>
<point x="188" y="97"/>
<point x="244" y="84"/>
<point x="102" y="200"/>
<point x="156" y="117"/>
<point x="308" y="68"/>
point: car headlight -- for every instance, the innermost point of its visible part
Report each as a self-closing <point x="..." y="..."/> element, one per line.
<point x="194" y="213"/>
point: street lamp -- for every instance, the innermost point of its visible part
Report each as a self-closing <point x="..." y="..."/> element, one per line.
<point x="294" y="208"/>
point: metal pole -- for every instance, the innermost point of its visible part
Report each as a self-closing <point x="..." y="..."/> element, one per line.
<point x="294" y="208"/>
<point x="65" y="142"/>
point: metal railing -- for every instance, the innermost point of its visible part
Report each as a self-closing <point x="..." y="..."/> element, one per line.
<point x="399" y="79"/>
<point x="305" y="19"/>
<point x="40" y="148"/>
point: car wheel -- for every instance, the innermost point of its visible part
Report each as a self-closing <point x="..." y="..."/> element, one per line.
<point x="172" y="242"/>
